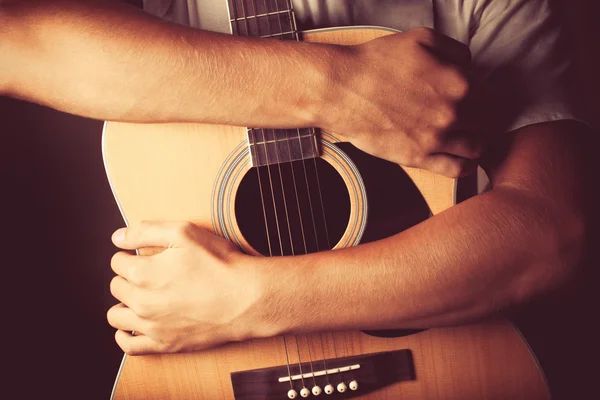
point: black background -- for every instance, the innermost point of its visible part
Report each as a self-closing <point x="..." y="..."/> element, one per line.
<point x="57" y="214"/>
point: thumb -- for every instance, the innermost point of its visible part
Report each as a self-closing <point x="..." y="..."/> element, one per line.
<point x="152" y="234"/>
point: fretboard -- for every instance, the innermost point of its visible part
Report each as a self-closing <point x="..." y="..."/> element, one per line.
<point x="263" y="18"/>
<point x="272" y="19"/>
<point x="275" y="146"/>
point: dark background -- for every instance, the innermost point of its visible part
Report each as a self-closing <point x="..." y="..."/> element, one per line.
<point x="57" y="216"/>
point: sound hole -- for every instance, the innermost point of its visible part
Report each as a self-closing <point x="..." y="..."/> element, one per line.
<point x="394" y="204"/>
<point x="305" y="204"/>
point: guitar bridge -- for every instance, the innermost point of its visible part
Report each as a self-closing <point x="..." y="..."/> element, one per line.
<point x="367" y="372"/>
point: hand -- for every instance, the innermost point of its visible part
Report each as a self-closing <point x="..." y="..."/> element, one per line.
<point x="193" y="295"/>
<point x="407" y="98"/>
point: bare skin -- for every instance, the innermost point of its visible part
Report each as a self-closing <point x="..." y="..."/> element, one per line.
<point x="520" y="240"/>
<point x="397" y="97"/>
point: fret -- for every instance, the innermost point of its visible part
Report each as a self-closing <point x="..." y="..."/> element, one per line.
<point x="260" y="135"/>
<point x="285" y="35"/>
<point x="259" y="15"/>
<point x="254" y="7"/>
<point x="262" y="18"/>
<point x="274" y="146"/>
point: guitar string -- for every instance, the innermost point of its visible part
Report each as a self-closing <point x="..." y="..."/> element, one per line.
<point x="294" y="27"/>
<point x="273" y="197"/>
<point x="257" y="20"/>
<point x="312" y="370"/>
<point x="282" y="36"/>
<point x="295" y="30"/>
<point x="262" y="199"/>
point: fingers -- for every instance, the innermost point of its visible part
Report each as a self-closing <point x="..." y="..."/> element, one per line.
<point x="133" y="268"/>
<point x="123" y="318"/>
<point x="470" y="147"/>
<point x="452" y="155"/>
<point x="451" y="61"/>
<point x="153" y="234"/>
<point x="449" y="165"/>
<point x="134" y="345"/>
<point x="122" y="290"/>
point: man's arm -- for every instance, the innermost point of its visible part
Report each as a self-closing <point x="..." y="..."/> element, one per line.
<point x="395" y="97"/>
<point x="520" y="241"/>
<point x="108" y="60"/>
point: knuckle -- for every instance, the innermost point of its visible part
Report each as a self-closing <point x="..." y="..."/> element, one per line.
<point x="147" y="306"/>
<point x="425" y="35"/>
<point x="167" y="347"/>
<point x="430" y="142"/>
<point x="124" y="345"/>
<point x="414" y="160"/>
<point x="447" y="115"/>
<point x="454" y="173"/>
<point x="152" y="330"/>
<point x="458" y="84"/>
<point x="139" y="230"/>
<point x="145" y="223"/>
<point x="117" y="259"/>
<point x="454" y="169"/>
<point x="137" y="275"/>
<point x="141" y="309"/>
<point x="166" y="340"/>
<point x="114" y="285"/>
<point x="185" y="230"/>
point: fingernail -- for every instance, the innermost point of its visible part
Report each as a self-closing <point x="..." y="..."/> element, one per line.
<point x="119" y="235"/>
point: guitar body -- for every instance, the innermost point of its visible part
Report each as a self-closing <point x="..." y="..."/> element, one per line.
<point x="194" y="172"/>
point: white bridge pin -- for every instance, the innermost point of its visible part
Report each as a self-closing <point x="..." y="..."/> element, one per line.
<point x="292" y="394"/>
<point x="305" y="392"/>
<point x="316" y="390"/>
<point x="329" y="389"/>
<point x="353" y="385"/>
<point x="341" y="387"/>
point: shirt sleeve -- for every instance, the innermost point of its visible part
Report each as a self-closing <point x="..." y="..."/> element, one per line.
<point x="520" y="50"/>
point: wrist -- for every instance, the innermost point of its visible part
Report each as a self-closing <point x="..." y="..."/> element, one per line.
<point x="328" y="64"/>
<point x="275" y="310"/>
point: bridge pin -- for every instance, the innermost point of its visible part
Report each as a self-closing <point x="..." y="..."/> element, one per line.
<point x="353" y="385"/>
<point x="316" y="390"/>
<point x="292" y="394"/>
<point x="329" y="389"/>
<point x="341" y="387"/>
<point x="305" y="392"/>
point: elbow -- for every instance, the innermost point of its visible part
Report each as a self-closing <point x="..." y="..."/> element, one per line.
<point x="556" y="257"/>
<point x="569" y="250"/>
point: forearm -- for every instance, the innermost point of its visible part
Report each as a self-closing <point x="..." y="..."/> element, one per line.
<point x="488" y="254"/>
<point x="111" y="61"/>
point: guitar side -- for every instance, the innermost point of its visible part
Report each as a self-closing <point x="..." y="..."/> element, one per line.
<point x="168" y="172"/>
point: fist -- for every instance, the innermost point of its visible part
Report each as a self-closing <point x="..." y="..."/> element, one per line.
<point x="408" y="98"/>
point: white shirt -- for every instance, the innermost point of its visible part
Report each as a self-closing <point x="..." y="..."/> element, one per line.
<point x="517" y="45"/>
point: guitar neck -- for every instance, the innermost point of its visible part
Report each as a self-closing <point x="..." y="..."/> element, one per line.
<point x="272" y="19"/>
<point x="263" y="18"/>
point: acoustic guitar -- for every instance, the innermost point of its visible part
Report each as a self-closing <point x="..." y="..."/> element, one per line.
<point x="293" y="191"/>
